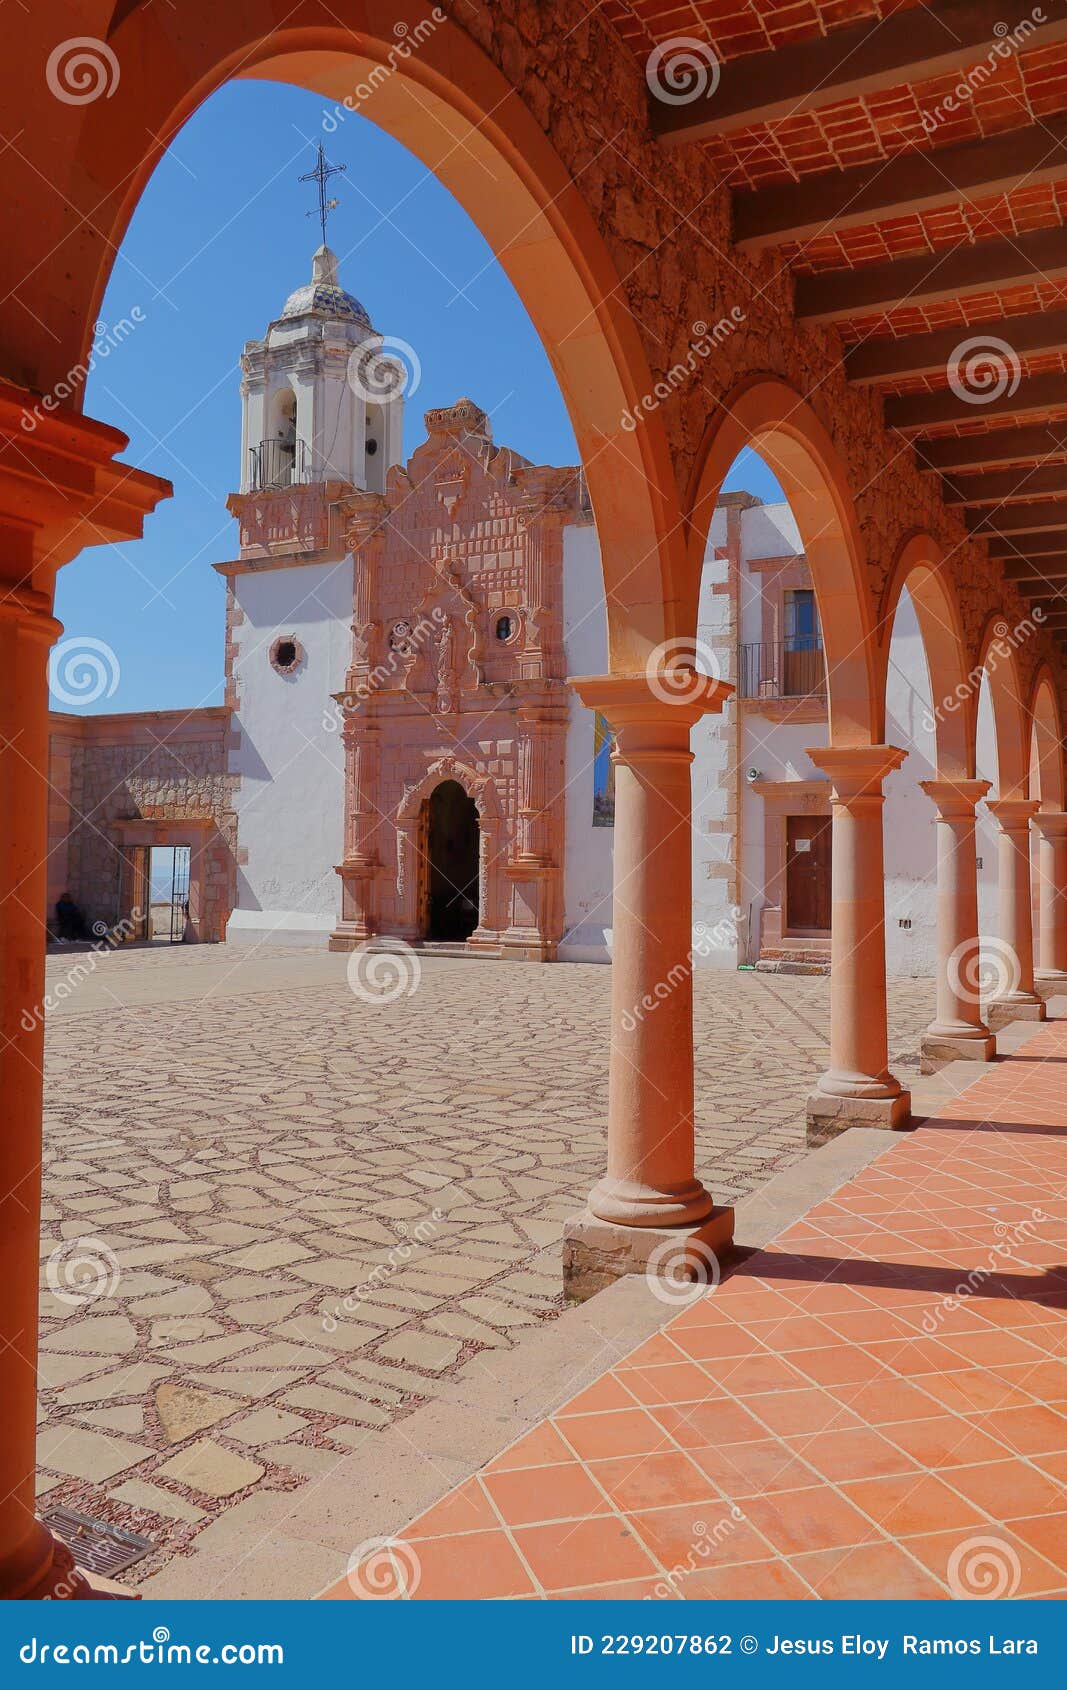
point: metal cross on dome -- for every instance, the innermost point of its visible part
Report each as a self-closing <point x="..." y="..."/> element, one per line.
<point x="321" y="174"/>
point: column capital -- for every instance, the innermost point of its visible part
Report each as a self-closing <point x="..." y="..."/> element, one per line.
<point x="60" y="489"/>
<point x="856" y="771"/>
<point x="673" y="696"/>
<point x="955" y="799"/>
<point x="1013" y="814"/>
<point x="1051" y="824"/>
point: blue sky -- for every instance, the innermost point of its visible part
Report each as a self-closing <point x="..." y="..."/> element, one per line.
<point x="218" y="241"/>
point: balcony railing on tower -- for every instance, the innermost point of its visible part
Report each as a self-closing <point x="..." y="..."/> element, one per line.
<point x="792" y="668"/>
<point x="277" y="463"/>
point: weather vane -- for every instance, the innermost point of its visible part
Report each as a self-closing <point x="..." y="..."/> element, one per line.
<point x="321" y="174"/>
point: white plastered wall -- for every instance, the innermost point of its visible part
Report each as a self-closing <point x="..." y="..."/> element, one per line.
<point x="288" y="755"/>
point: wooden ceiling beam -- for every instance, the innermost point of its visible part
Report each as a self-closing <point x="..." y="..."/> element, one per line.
<point x="1032" y="396"/>
<point x="1034" y="443"/>
<point x="1004" y="485"/>
<point x="953" y="273"/>
<point x="1049" y="517"/>
<point x="910" y="182"/>
<point x="881" y="358"/>
<point x="911" y="45"/>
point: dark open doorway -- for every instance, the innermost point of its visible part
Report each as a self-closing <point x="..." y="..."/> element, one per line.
<point x="452" y="848"/>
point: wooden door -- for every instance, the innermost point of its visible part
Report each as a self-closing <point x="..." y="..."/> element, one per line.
<point x="807" y="874"/>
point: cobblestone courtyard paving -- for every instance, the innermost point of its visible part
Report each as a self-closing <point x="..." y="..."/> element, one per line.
<point x="300" y="1214"/>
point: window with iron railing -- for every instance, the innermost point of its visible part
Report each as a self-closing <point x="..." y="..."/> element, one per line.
<point x="778" y="669"/>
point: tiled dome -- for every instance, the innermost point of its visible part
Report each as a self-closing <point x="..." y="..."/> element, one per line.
<point x="324" y="296"/>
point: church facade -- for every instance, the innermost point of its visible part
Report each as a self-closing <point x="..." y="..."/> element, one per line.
<point x="400" y="758"/>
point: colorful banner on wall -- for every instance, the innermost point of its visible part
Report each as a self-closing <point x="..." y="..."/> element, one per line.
<point x="603" y="773"/>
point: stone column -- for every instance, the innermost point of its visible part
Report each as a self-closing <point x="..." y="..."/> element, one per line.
<point x="1013" y="951"/>
<point x="59" y="488"/>
<point x="1051" y="829"/>
<point x="32" y="1562"/>
<point x="650" y="1203"/>
<point x="957" y="1029"/>
<point x="857" y="1089"/>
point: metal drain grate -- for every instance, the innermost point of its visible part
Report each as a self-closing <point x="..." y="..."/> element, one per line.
<point x="96" y="1546"/>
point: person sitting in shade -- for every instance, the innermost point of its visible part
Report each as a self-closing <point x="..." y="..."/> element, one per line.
<point x="70" y="923"/>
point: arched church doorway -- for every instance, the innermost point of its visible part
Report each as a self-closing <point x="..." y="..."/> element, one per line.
<point x="452" y="833"/>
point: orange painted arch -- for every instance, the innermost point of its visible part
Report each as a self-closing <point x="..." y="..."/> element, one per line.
<point x="1046" y="742"/>
<point x="922" y="567"/>
<point x="435" y="91"/>
<point x="766" y="414"/>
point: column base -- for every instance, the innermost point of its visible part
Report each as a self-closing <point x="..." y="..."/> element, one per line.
<point x="596" y="1253"/>
<point x="829" y="1115"/>
<point x="1000" y="1012"/>
<point x="937" y="1049"/>
<point x="1050" y="982"/>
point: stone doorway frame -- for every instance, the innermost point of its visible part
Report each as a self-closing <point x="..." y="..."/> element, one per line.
<point x="412" y="860"/>
<point x="208" y="905"/>
<point x="782" y="799"/>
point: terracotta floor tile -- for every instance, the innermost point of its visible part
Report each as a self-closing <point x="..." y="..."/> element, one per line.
<point x="627" y="1431"/>
<point x="1047" y="1380"/>
<point x="539" y="1448"/>
<point x="699" y="1534"/>
<point x="1032" y="1429"/>
<point x="944" y="1440"/>
<point x="854" y="1455"/>
<point x="811" y="1410"/>
<point x="913" y="1502"/>
<point x="627" y="1590"/>
<point x="992" y="1349"/>
<point x="705" y="1343"/>
<point x="563" y="1555"/>
<point x="607" y="1393"/>
<point x="654" y="1481"/>
<point x="750" y="1581"/>
<point x="798" y="1332"/>
<point x="1009" y="1487"/>
<point x="886" y="1400"/>
<point x="839" y="1364"/>
<point x="694" y="1425"/>
<point x="759" y="1468"/>
<point x="451" y="1568"/>
<point x="1047" y="1534"/>
<point x="755" y="1375"/>
<point x="545" y="1493"/>
<point x="873" y="1572"/>
<point x="967" y="1389"/>
<point x="685" y="1382"/>
<point x="1013" y="1566"/>
<point x="798" y="1520"/>
<point x="463" y="1510"/>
